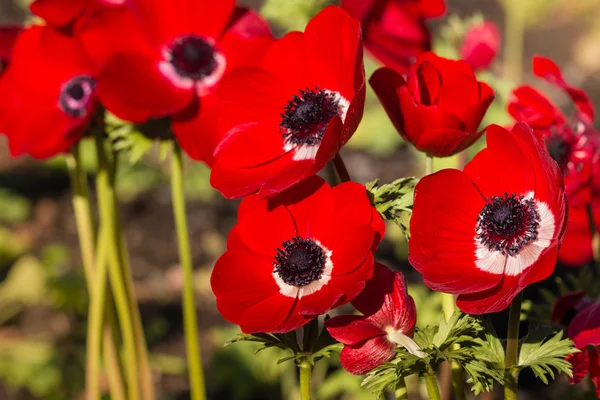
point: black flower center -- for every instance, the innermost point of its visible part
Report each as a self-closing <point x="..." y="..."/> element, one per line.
<point x="192" y="57"/>
<point x="507" y="223"/>
<point x="305" y="117"/>
<point x="559" y="150"/>
<point x="76" y="94"/>
<point x="299" y="261"/>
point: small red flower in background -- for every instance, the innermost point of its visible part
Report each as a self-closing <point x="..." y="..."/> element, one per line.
<point x="166" y="59"/>
<point x="566" y="307"/>
<point x="296" y="255"/>
<point x="286" y="120"/>
<point x="575" y="145"/>
<point x="438" y="107"/>
<point x="394" y="31"/>
<point x="488" y="232"/>
<point x="481" y="45"/>
<point x="584" y="330"/>
<point x="63" y="13"/>
<point x="388" y="319"/>
<point x="8" y="37"/>
<point x="43" y="114"/>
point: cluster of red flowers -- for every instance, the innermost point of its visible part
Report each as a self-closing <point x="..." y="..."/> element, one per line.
<point x="267" y="115"/>
<point x="575" y="145"/>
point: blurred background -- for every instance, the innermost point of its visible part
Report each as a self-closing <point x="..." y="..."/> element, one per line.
<point x="43" y="300"/>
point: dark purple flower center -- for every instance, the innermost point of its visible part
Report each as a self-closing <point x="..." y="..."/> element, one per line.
<point x="507" y="223"/>
<point x="192" y="57"/>
<point x="299" y="261"/>
<point x="306" y="117"/>
<point x="559" y="150"/>
<point x="76" y="94"/>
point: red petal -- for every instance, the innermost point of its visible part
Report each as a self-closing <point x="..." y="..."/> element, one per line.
<point x="528" y="105"/>
<point x="163" y="21"/>
<point x="481" y="45"/>
<point x="8" y="36"/>
<point x="360" y="359"/>
<point x="264" y="229"/>
<point x="352" y="329"/>
<point x="490" y="171"/>
<point x="548" y="70"/>
<point x="584" y="330"/>
<point x="442" y="244"/>
<point x="58" y="13"/>
<point x="320" y="301"/>
<point x="349" y="251"/>
<point x="566" y="304"/>
<point x="492" y="300"/>
<point x="286" y="60"/>
<point x="289" y="174"/>
<point x="377" y="291"/>
<point x="354" y="283"/>
<point x="268" y="315"/>
<point x="542" y="268"/>
<point x="576" y="248"/>
<point x="581" y="365"/>
<point x="132" y="87"/>
<point x="386" y="82"/>
<point x="333" y="62"/>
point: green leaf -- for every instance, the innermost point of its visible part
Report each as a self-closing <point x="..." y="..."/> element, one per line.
<point x="544" y="350"/>
<point x="394" y="201"/>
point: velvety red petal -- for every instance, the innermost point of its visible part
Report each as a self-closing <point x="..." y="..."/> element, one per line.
<point x="378" y="290"/>
<point x="163" y="21"/>
<point x="352" y="329"/>
<point x="576" y="248"/>
<point x="584" y="330"/>
<point x="8" y="36"/>
<point x="528" y="105"/>
<point x="132" y="87"/>
<point x="333" y="62"/>
<point x="581" y="365"/>
<point x="442" y="244"/>
<point x="547" y="69"/>
<point x="542" y="268"/>
<point x="349" y="250"/>
<point x="290" y="174"/>
<point x="266" y="316"/>
<point x="58" y="13"/>
<point x="481" y="45"/>
<point x="354" y="114"/>
<point x="354" y="282"/>
<point x="386" y="83"/>
<point x="198" y="134"/>
<point x="490" y="171"/>
<point x="320" y="301"/>
<point x="293" y="322"/>
<point x="492" y="300"/>
<point x="362" y="358"/>
<point x="286" y="59"/>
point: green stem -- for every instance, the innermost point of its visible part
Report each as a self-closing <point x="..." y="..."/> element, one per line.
<point x="511" y="372"/>
<point x="305" y="374"/>
<point x="433" y="390"/>
<point x="196" y="374"/>
<point x="458" y="382"/>
<point x="341" y="169"/>
<point x="113" y="367"/>
<point x="429" y="165"/>
<point x="514" y="33"/>
<point x="138" y="329"/>
<point x="401" y="392"/>
<point x="96" y="327"/>
<point x="110" y="231"/>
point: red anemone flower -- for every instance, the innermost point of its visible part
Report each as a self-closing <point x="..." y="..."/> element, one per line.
<point x="438" y="107"/>
<point x="487" y="232"/>
<point x="286" y="120"/>
<point x="296" y="255"/>
<point x="566" y="307"/>
<point x="166" y="59"/>
<point x="388" y="320"/>
<point x="481" y="45"/>
<point x="584" y="330"/>
<point x="43" y="114"/>
<point x="394" y="31"/>
<point x="63" y="13"/>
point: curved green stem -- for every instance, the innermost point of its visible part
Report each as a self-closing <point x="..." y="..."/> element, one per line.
<point x="511" y="372"/>
<point x="341" y="169"/>
<point x="433" y="389"/>
<point x="305" y="375"/>
<point x="401" y="392"/>
<point x="196" y="374"/>
<point x="109" y="229"/>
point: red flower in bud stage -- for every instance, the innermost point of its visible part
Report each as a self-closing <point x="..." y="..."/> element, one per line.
<point x="566" y="307"/>
<point x="296" y="255"/>
<point x="394" y="31"/>
<point x="488" y="232"/>
<point x="438" y="108"/>
<point x="584" y="330"/>
<point x="286" y="120"/>
<point x="388" y="320"/>
<point x="43" y="114"/>
<point x="8" y="37"/>
<point x="574" y="144"/>
<point x="481" y="45"/>
<point x="62" y="13"/>
<point x="166" y="59"/>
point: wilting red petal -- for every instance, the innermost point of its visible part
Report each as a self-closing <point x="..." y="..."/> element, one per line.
<point x="362" y="358"/>
<point x="581" y="365"/>
<point x="352" y="329"/>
